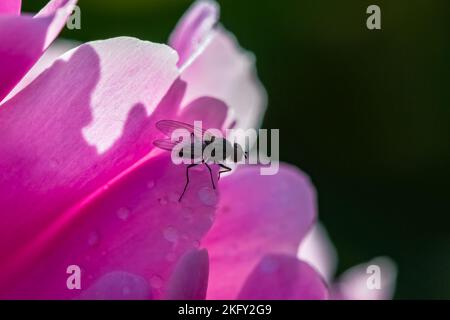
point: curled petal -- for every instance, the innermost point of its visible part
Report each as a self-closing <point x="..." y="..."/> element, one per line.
<point x="24" y="39"/>
<point x="193" y="32"/>
<point x="282" y="277"/>
<point x="213" y="64"/>
<point x="225" y="71"/>
<point x="318" y="250"/>
<point x="257" y="215"/>
<point x="374" y="280"/>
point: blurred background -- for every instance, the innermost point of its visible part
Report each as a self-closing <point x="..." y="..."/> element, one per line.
<point x="365" y="113"/>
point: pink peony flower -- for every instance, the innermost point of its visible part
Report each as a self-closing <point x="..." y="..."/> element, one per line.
<point x="82" y="185"/>
<point x="23" y="38"/>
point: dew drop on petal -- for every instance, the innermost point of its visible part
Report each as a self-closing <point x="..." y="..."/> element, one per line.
<point x="196" y="244"/>
<point x="93" y="239"/>
<point x="207" y="196"/>
<point x="123" y="214"/>
<point x="162" y="201"/>
<point x="150" y="184"/>
<point x="156" y="281"/>
<point x="269" y="265"/>
<point x="187" y="214"/>
<point x="171" y="234"/>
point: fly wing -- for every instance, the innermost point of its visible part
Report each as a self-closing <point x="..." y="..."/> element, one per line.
<point x="169" y="126"/>
<point x="186" y="150"/>
<point x="165" y="144"/>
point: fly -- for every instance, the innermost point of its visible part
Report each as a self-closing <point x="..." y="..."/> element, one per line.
<point x="214" y="149"/>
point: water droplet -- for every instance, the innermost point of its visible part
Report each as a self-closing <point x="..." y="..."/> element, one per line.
<point x="269" y="265"/>
<point x="171" y="234"/>
<point x="196" y="244"/>
<point x="150" y="184"/>
<point x="93" y="239"/>
<point x="162" y="201"/>
<point x="123" y="214"/>
<point x="207" y="196"/>
<point x="156" y="281"/>
<point x="187" y="214"/>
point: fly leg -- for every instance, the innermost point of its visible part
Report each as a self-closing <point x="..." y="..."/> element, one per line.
<point x="187" y="179"/>
<point x="210" y="173"/>
<point x="225" y="169"/>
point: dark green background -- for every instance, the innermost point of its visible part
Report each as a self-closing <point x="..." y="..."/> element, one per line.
<point x="365" y="113"/>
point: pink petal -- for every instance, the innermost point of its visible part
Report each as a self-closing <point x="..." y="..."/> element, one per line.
<point x="189" y="280"/>
<point x="192" y="32"/>
<point x="225" y="71"/>
<point x="282" y="277"/>
<point x="10" y="7"/>
<point x="24" y="38"/>
<point x="353" y="284"/>
<point x="118" y="286"/>
<point x="76" y="127"/>
<point x="318" y="250"/>
<point x="212" y="112"/>
<point x="257" y="215"/>
<point x="135" y="226"/>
